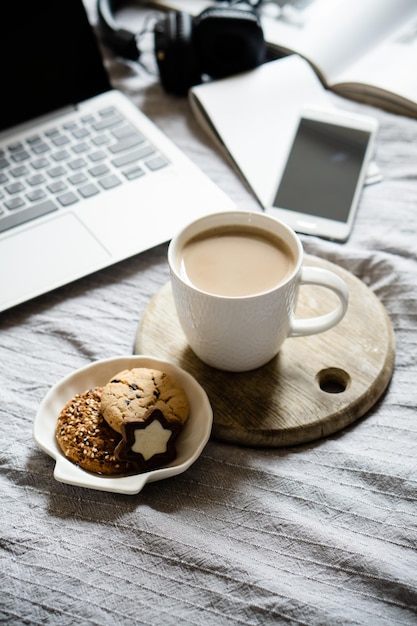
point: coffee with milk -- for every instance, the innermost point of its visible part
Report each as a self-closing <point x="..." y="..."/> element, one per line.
<point x="236" y="260"/>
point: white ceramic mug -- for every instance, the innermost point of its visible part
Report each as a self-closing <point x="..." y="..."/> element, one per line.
<point x="241" y="333"/>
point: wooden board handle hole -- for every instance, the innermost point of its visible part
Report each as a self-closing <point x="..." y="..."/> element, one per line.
<point x="333" y="380"/>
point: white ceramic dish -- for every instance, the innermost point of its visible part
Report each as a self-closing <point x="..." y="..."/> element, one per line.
<point x="190" y="443"/>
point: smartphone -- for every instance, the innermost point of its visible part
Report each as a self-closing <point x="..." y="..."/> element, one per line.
<point x="319" y="189"/>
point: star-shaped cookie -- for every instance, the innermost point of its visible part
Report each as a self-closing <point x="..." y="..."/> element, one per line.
<point x="148" y="442"/>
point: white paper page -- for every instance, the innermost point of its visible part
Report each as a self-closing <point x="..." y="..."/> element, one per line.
<point x="256" y="115"/>
<point x="286" y="27"/>
<point x="391" y="66"/>
<point x="339" y="33"/>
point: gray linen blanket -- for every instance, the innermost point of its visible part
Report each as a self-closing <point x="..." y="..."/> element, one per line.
<point x="318" y="534"/>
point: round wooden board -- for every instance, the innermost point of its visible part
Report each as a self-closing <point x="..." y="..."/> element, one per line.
<point x="316" y="385"/>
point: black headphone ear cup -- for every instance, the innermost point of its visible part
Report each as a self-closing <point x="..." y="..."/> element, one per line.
<point x="178" y="65"/>
<point x="228" y="40"/>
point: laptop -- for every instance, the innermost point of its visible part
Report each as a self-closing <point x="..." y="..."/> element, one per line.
<point x="86" y="180"/>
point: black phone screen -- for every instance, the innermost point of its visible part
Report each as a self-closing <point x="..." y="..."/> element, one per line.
<point x="321" y="174"/>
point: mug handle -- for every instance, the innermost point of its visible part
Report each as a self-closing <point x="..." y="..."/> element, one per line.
<point x="323" y="278"/>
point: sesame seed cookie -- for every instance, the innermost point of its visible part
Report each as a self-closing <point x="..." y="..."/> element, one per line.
<point x="85" y="437"/>
<point x="131" y="393"/>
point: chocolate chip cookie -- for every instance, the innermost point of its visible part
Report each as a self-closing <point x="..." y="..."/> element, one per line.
<point x="131" y="393"/>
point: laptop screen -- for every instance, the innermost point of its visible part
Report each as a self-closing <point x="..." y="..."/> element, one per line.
<point x="49" y="58"/>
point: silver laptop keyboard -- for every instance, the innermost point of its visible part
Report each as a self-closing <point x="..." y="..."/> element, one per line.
<point x="80" y="159"/>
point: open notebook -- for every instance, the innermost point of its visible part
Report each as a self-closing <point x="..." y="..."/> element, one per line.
<point x="86" y="179"/>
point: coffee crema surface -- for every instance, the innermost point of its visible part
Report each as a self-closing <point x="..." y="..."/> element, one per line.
<point x="236" y="261"/>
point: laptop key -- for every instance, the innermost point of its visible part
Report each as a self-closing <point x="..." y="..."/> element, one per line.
<point x="20" y="170"/>
<point x="57" y="186"/>
<point x="126" y="142"/>
<point x="61" y="140"/>
<point x="22" y="155"/>
<point x="108" y="182"/>
<point x="39" y="164"/>
<point x="66" y="199"/>
<point x="157" y="163"/>
<point x="80" y="147"/>
<point x="14" y="187"/>
<point x="77" y="179"/>
<point x="36" y="194"/>
<point x="14" y="203"/>
<point x="88" y="190"/>
<point x="77" y="164"/>
<point x="107" y="122"/>
<point x="36" y="179"/>
<point x="60" y="155"/>
<point x="99" y="170"/>
<point x="96" y="156"/>
<point x="15" y="146"/>
<point x="33" y="139"/>
<point x="108" y="111"/>
<point x="131" y="157"/>
<point x="40" y="147"/>
<point x="133" y="172"/>
<point x="79" y="133"/>
<point x="125" y="130"/>
<point x="26" y="215"/>
<point x="100" y="140"/>
<point x="59" y="170"/>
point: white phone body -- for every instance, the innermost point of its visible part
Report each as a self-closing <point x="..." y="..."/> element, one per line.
<point x="321" y="182"/>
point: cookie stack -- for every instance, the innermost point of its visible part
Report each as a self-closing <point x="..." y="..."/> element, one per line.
<point x="128" y="426"/>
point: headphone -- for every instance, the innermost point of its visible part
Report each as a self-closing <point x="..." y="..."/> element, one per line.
<point x="221" y="41"/>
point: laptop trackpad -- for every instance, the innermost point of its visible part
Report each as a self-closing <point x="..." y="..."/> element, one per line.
<point x="64" y="250"/>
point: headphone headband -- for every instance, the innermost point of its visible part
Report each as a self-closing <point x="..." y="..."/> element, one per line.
<point x="122" y="41"/>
